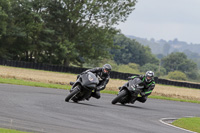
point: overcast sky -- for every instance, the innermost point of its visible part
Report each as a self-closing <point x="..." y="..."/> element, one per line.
<point x="164" y="19"/>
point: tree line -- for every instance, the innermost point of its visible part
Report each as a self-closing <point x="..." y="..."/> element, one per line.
<point x="60" y="31"/>
<point x="78" y="32"/>
<point x="130" y="51"/>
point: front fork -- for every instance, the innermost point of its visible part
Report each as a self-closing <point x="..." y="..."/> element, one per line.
<point x="75" y="87"/>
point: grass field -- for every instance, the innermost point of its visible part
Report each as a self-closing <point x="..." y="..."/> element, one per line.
<point x="64" y="79"/>
<point x="2" y="130"/>
<point x="192" y="124"/>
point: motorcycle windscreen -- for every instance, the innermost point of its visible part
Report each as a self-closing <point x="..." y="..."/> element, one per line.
<point x="135" y="81"/>
<point x="132" y="85"/>
<point x="89" y="80"/>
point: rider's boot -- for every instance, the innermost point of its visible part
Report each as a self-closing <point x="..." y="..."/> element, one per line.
<point x="96" y="94"/>
<point x="75" y="100"/>
<point x="71" y="83"/>
<point x="133" y="100"/>
<point x="88" y="98"/>
<point x="142" y="99"/>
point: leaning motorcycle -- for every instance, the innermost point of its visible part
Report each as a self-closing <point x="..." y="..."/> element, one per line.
<point x="83" y="87"/>
<point x="129" y="92"/>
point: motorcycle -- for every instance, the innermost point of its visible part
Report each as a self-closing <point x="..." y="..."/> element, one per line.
<point x="83" y="87"/>
<point x="129" y="92"/>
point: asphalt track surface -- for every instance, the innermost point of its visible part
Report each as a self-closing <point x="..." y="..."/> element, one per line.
<point x="44" y="110"/>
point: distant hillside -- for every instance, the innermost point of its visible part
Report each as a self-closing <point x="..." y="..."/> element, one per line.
<point x="166" y="47"/>
<point x="155" y="47"/>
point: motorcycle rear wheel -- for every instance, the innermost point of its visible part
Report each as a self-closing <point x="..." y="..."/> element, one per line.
<point x="72" y="94"/>
<point x="119" y="96"/>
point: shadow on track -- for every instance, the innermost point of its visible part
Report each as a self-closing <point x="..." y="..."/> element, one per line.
<point x="134" y="106"/>
<point x="86" y="104"/>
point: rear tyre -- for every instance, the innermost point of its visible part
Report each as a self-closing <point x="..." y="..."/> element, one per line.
<point x="72" y="94"/>
<point x="119" y="96"/>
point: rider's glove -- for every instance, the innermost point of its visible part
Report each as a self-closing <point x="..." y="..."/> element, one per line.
<point x="132" y="77"/>
<point x="142" y="94"/>
<point x="99" y="88"/>
<point x="119" y="88"/>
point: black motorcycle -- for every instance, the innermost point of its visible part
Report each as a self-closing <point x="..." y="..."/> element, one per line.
<point x="129" y="92"/>
<point x="83" y="87"/>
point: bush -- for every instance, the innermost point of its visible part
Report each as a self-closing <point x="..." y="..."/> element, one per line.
<point x="194" y="75"/>
<point x="129" y="68"/>
<point x="177" y="75"/>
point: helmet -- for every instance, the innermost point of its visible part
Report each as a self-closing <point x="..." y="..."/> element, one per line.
<point x="106" y="69"/>
<point x="149" y="76"/>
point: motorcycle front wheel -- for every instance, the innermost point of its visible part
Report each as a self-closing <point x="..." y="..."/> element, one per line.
<point x="72" y="94"/>
<point x="119" y="96"/>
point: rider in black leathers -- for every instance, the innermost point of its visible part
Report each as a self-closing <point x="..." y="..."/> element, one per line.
<point x="148" y="83"/>
<point x="103" y="74"/>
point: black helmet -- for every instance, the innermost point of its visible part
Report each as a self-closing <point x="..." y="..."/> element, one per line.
<point x="106" y="69"/>
<point x="149" y="76"/>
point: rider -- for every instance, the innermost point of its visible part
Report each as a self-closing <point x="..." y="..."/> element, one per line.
<point x="149" y="84"/>
<point x="103" y="74"/>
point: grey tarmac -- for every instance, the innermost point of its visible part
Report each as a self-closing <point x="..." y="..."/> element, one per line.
<point x="44" y="110"/>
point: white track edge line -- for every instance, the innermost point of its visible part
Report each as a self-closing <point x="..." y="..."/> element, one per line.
<point x="161" y="120"/>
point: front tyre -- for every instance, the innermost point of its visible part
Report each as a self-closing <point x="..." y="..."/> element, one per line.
<point x="119" y="96"/>
<point x="72" y="94"/>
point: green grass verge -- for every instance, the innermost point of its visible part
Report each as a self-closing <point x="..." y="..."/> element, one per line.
<point x="58" y="86"/>
<point x="174" y="99"/>
<point x="2" y="130"/>
<point x="31" y="83"/>
<point x="192" y="124"/>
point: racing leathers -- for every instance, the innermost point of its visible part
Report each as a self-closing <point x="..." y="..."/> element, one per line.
<point x="103" y="80"/>
<point x="148" y="88"/>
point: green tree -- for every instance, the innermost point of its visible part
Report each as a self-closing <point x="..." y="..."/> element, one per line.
<point x="130" y="51"/>
<point x="4" y="8"/>
<point x="166" y="49"/>
<point x="61" y="31"/>
<point x="177" y="75"/>
<point x="153" y="67"/>
<point x="178" y="61"/>
<point x="160" y="56"/>
<point x="194" y="56"/>
<point x="87" y="24"/>
<point x="129" y="68"/>
<point x="4" y="12"/>
<point x="22" y="42"/>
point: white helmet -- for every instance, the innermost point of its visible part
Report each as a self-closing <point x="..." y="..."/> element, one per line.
<point x="149" y="76"/>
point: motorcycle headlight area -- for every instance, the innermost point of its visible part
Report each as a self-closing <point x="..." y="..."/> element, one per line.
<point x="133" y="87"/>
<point x="90" y="78"/>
